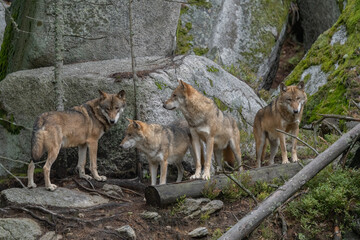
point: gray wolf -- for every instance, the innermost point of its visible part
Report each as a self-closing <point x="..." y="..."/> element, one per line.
<point x="161" y="144"/>
<point x="82" y="127"/>
<point x="283" y="113"/>
<point x="207" y="123"/>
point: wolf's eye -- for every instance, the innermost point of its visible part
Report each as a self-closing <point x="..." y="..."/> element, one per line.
<point x="297" y="98"/>
<point x="117" y="108"/>
<point x="107" y="109"/>
<point x="129" y="134"/>
<point x="174" y="95"/>
<point x="289" y="99"/>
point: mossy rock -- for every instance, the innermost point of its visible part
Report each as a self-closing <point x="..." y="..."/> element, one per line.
<point x="340" y="61"/>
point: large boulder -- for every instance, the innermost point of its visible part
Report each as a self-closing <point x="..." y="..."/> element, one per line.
<point x="245" y="36"/>
<point x="93" y="31"/>
<point x="26" y="94"/>
<point x="19" y="228"/>
<point x="331" y="68"/>
<point x="317" y="17"/>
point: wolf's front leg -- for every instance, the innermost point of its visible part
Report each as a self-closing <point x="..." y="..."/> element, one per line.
<point x="163" y="171"/>
<point x="209" y="152"/>
<point x="93" y="147"/>
<point x="197" y="150"/>
<point x="82" y="161"/>
<point x="293" y="148"/>
<point x="153" y="166"/>
<point x="283" y="149"/>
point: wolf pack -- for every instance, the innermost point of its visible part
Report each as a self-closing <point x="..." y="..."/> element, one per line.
<point x="205" y="131"/>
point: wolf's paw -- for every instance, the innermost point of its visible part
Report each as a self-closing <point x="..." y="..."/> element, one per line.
<point x="85" y="176"/>
<point x="32" y="185"/>
<point x="51" y="188"/>
<point x="285" y="161"/>
<point x="206" y="176"/>
<point x="295" y="159"/>
<point x="100" y="178"/>
<point x="195" y="176"/>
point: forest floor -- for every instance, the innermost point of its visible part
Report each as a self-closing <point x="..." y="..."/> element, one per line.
<point x="101" y="223"/>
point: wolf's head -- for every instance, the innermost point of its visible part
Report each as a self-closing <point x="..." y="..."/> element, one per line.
<point x="293" y="98"/>
<point x="112" y="105"/>
<point x="178" y="96"/>
<point x="134" y="134"/>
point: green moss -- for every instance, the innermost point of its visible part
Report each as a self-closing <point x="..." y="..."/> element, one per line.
<point x="200" y="3"/>
<point x="211" y="82"/>
<point x="200" y="51"/>
<point x="183" y="39"/>
<point x="160" y="85"/>
<point x="331" y="98"/>
<point x="222" y="106"/>
<point x="212" y="69"/>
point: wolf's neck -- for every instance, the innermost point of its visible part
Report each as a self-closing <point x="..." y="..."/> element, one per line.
<point x="94" y="105"/>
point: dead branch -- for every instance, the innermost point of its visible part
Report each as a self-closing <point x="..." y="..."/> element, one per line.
<point x="356" y="104"/>
<point x="242" y="187"/>
<point x="33" y="215"/>
<point x="293" y="136"/>
<point x="333" y="126"/>
<point x="17" y="179"/>
<point x="13" y="123"/>
<point x="101" y="193"/>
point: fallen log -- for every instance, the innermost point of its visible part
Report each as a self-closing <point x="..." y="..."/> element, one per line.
<point x="248" y="223"/>
<point x="163" y="195"/>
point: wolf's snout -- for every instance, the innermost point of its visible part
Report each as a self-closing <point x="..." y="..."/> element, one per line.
<point x="164" y="105"/>
<point x="112" y="121"/>
<point x="296" y="111"/>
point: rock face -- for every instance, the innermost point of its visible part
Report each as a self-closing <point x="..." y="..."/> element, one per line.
<point x="93" y="31"/>
<point x="19" y="228"/>
<point x="26" y="94"/>
<point x="317" y="17"/>
<point x="331" y="69"/>
<point x="245" y="35"/>
<point x="62" y="197"/>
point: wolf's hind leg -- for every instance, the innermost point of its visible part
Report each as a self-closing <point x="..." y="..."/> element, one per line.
<point x="30" y="175"/>
<point x="52" y="155"/>
<point x="274" y="145"/>
<point x="180" y="169"/>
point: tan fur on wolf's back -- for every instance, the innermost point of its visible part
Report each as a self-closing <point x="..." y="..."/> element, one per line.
<point x="284" y="113"/>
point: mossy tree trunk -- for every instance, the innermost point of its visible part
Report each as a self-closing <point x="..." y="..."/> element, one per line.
<point x="248" y="223"/>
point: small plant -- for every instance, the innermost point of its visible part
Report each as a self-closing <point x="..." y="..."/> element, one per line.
<point x="204" y="217"/>
<point x="210" y="190"/>
<point x="333" y="193"/>
<point x="216" y="234"/>
<point x="212" y="69"/>
<point x="178" y="205"/>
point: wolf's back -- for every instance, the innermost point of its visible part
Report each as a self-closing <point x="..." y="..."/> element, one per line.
<point x="37" y="140"/>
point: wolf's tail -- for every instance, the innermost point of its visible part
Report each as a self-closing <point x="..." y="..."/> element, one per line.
<point x="228" y="156"/>
<point x="37" y="142"/>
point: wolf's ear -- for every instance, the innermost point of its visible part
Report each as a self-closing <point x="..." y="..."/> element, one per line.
<point x="103" y="94"/>
<point x="130" y="121"/>
<point x="301" y="85"/>
<point x="121" y="94"/>
<point x="136" y="124"/>
<point x="182" y="84"/>
<point x="283" y="87"/>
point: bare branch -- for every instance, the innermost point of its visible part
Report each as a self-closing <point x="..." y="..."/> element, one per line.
<point x="340" y="117"/>
<point x="356" y="104"/>
<point x="242" y="187"/>
<point x="99" y="192"/>
<point x="5" y="120"/>
<point x="84" y="37"/>
<point x="293" y="136"/>
<point x="17" y="179"/>
<point x="34" y="215"/>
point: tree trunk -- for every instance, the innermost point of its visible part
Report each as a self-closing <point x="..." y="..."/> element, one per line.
<point x="248" y="223"/>
<point x="59" y="45"/>
<point x="162" y="195"/>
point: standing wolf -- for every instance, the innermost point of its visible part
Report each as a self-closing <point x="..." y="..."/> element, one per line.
<point x="207" y="123"/>
<point x="283" y="113"/>
<point x="81" y="127"/>
<point x="161" y="145"/>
